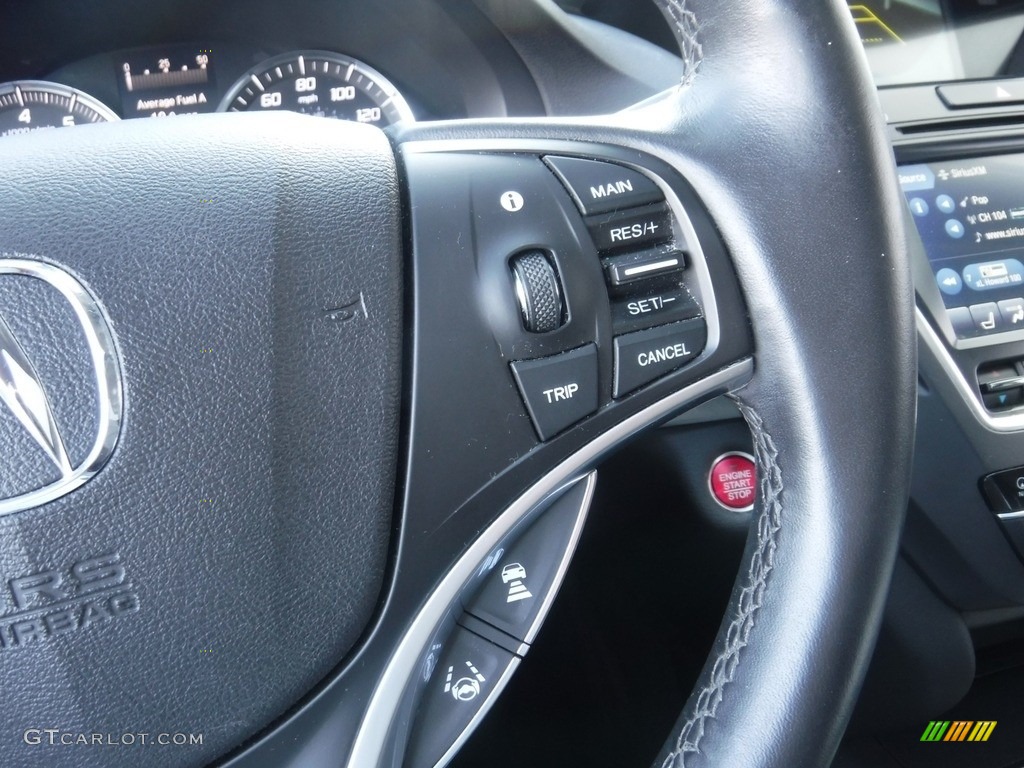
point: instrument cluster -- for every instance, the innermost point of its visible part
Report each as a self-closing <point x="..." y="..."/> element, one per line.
<point x="189" y="79"/>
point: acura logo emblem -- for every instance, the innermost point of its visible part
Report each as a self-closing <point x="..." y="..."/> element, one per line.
<point x="26" y="395"/>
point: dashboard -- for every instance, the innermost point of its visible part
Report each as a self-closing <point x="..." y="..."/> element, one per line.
<point x="63" y="64"/>
<point x="178" y="80"/>
<point x="107" y="60"/>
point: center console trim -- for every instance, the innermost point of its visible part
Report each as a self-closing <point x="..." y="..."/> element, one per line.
<point x="1011" y="422"/>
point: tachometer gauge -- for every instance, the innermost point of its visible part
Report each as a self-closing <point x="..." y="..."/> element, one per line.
<point x="319" y="83"/>
<point x="28" y="105"/>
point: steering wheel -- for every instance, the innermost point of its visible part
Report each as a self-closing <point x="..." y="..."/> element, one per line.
<point x="281" y="393"/>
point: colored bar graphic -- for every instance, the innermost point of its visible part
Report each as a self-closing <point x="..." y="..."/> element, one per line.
<point x="958" y="730"/>
<point x="982" y="730"/>
<point x="935" y="731"/>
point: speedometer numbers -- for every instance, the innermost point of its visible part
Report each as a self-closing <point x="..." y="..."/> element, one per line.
<point x="312" y="82"/>
<point x="29" y="105"/>
<point x="322" y="84"/>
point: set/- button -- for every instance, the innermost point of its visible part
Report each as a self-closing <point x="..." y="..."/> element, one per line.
<point x="653" y="307"/>
<point x="643" y="356"/>
<point x="559" y="390"/>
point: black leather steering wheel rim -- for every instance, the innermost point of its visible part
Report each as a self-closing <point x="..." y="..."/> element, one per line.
<point x="777" y="127"/>
<point x="833" y="437"/>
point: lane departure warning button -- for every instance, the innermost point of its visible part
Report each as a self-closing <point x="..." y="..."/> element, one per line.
<point x="733" y="481"/>
<point x="462" y="676"/>
<point x="600" y="187"/>
<point x="558" y="390"/>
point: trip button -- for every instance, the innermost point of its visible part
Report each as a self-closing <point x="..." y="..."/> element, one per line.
<point x="631" y="229"/>
<point x="643" y="356"/>
<point x="558" y="390"/>
<point x="463" y="676"/>
<point x="600" y="187"/>
<point x="521" y="580"/>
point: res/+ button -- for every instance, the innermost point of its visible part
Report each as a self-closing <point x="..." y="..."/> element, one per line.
<point x="632" y="229"/>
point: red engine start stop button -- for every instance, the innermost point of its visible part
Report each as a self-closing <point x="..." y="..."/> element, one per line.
<point x="733" y="481"/>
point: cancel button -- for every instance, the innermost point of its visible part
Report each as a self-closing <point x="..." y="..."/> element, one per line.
<point x="643" y="356"/>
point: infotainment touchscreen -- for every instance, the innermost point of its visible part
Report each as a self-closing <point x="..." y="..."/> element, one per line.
<point x="970" y="214"/>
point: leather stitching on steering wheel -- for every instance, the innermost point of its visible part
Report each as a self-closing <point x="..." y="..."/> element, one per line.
<point x="684" y="26"/>
<point x="761" y="564"/>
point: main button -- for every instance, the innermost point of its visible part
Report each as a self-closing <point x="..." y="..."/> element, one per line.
<point x="462" y="678"/>
<point x="643" y="356"/>
<point x="516" y="588"/>
<point x="600" y="187"/>
<point x="558" y="390"/>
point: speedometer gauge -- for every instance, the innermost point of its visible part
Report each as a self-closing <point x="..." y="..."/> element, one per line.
<point x="28" y="105"/>
<point x="319" y="83"/>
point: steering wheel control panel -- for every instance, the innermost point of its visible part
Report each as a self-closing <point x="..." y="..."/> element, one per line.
<point x="468" y="664"/>
<point x="585" y="274"/>
<point x="643" y="263"/>
<point x="643" y="260"/>
<point x="565" y="295"/>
